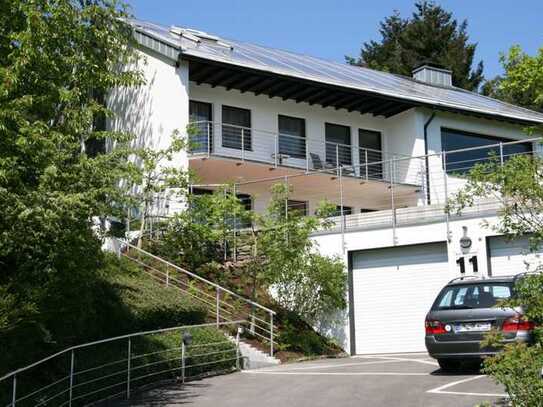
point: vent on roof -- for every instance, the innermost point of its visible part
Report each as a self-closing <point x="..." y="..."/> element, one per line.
<point x="198" y="36"/>
<point x="433" y="75"/>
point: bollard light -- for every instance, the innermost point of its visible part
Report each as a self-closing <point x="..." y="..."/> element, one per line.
<point x="187" y="338"/>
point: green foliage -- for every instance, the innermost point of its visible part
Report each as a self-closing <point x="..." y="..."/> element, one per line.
<point x="296" y="335"/>
<point x="119" y="300"/>
<point x="518" y="368"/>
<point x="200" y="234"/>
<point x="517" y="185"/>
<point x="158" y="177"/>
<point x="58" y="59"/>
<point x="287" y="259"/>
<point x="522" y="83"/>
<point x="430" y="36"/>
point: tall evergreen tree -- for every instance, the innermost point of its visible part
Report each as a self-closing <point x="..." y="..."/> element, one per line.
<point x="432" y="35"/>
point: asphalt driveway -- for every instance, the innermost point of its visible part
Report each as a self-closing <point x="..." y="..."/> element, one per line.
<point x="381" y="380"/>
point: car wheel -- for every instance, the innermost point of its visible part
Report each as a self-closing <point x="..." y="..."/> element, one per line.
<point x="449" y="365"/>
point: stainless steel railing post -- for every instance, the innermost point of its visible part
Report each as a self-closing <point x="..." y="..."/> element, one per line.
<point x="14" y="391"/>
<point x="366" y="162"/>
<point x="208" y="139"/>
<point x="182" y="359"/>
<point x="128" y="357"/>
<point x="271" y="334"/>
<point x="242" y="144"/>
<point x="217" y="305"/>
<point x="276" y="149"/>
<point x="72" y="360"/>
<point x="237" y="349"/>
<point x="337" y="159"/>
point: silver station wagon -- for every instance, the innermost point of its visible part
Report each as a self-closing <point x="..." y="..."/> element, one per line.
<point x="464" y="311"/>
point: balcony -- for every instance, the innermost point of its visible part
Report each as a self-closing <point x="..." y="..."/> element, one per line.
<point x="276" y="150"/>
<point x="360" y="179"/>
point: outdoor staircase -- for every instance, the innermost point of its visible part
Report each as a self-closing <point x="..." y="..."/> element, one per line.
<point x="253" y="358"/>
<point x="223" y="305"/>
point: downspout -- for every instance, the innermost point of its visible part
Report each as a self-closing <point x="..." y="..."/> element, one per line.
<point x="430" y="119"/>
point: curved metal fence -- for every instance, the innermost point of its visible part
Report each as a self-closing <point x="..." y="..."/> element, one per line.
<point x="116" y="367"/>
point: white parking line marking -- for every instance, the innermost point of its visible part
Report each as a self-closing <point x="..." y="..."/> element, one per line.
<point x="391" y="354"/>
<point x="334" y="373"/>
<point x="423" y="361"/>
<point x="286" y="368"/>
<point x="441" y="389"/>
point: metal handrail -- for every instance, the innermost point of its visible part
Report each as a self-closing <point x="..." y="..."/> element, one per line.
<point x="73" y="390"/>
<point x="116" y="338"/>
<point x="211" y="283"/>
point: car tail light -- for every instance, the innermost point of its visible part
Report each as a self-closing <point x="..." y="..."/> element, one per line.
<point x="517" y="323"/>
<point x="434" y="327"/>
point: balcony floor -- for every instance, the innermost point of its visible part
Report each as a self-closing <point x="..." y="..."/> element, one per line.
<point x="315" y="186"/>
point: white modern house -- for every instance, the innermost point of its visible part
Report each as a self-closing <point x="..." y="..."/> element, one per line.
<point x="260" y="114"/>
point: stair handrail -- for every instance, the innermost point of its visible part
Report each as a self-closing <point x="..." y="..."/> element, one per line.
<point x="204" y="280"/>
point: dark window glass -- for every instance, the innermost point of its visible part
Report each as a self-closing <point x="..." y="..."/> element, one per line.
<point x="366" y="210"/>
<point x="370" y="152"/>
<point x="247" y="204"/>
<point x="347" y="210"/>
<point x="201" y="117"/>
<point x="292" y="136"/>
<point x="468" y="296"/>
<point x="297" y="206"/>
<point x="338" y="144"/>
<point x="236" y="127"/>
<point x="463" y="161"/>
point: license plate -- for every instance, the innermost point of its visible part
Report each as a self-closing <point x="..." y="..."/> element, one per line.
<point x="473" y="327"/>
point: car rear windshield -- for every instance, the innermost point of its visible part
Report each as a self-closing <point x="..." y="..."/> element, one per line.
<point x="468" y="296"/>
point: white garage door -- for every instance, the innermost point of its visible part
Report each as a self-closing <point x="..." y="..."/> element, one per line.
<point x="509" y="257"/>
<point x="393" y="289"/>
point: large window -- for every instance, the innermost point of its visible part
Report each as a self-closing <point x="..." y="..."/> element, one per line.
<point x="201" y="140"/>
<point x="463" y="161"/>
<point x="338" y="144"/>
<point x="292" y="136"/>
<point x="236" y="127"/>
<point x="369" y="142"/>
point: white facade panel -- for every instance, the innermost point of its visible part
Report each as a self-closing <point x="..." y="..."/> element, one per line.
<point x="393" y="289"/>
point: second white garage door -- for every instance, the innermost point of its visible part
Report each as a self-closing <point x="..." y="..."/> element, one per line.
<point x="509" y="257"/>
<point x="393" y="289"/>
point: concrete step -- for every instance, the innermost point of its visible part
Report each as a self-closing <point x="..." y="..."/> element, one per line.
<point x="254" y="358"/>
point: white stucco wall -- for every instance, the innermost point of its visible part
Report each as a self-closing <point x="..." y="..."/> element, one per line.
<point x="153" y="112"/>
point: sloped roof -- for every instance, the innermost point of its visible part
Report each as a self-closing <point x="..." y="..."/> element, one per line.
<point x="196" y="44"/>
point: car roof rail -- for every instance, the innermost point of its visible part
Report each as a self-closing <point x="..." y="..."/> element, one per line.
<point x="466" y="278"/>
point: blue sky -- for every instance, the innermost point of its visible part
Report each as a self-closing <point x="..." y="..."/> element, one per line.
<point x="334" y="28"/>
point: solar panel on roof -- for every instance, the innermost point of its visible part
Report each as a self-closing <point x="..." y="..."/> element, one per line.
<point x="315" y="69"/>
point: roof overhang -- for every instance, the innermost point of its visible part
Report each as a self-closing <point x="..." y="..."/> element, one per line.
<point x="246" y="78"/>
<point x="260" y="82"/>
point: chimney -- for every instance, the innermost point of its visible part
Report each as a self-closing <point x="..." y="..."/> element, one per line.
<point x="433" y="75"/>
